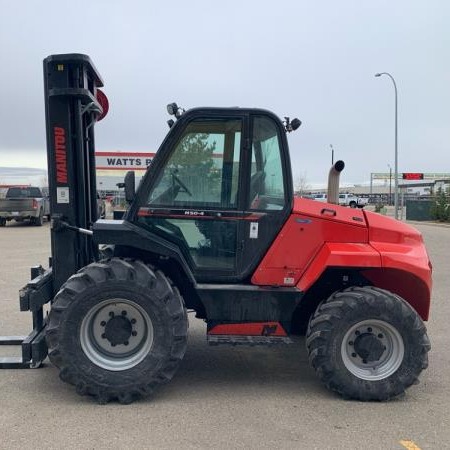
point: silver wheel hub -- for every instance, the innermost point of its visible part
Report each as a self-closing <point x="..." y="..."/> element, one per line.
<point x="116" y="334"/>
<point x="372" y="350"/>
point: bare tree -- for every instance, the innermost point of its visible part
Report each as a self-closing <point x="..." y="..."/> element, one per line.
<point x="43" y="181"/>
<point x="301" y="185"/>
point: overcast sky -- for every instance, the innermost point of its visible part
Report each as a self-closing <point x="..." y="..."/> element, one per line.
<point x="312" y="59"/>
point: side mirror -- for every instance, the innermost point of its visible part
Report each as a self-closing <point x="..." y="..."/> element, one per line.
<point x="130" y="186"/>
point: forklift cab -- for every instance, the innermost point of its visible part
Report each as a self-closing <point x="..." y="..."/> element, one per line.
<point x="220" y="189"/>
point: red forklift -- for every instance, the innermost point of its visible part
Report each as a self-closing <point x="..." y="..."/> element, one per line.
<point x="213" y="227"/>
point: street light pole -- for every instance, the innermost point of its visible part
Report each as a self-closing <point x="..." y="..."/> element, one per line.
<point x="332" y="154"/>
<point x="396" y="144"/>
<point x="390" y="184"/>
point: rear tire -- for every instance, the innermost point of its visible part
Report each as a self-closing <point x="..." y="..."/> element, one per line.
<point x="352" y="205"/>
<point x="2" y="222"/>
<point x="366" y="344"/>
<point x="117" y="329"/>
<point x="38" y="221"/>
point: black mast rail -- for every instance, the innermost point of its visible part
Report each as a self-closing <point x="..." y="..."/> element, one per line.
<point x="71" y="110"/>
<point x="71" y="83"/>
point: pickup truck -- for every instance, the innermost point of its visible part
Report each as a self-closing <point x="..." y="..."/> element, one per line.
<point x="344" y="200"/>
<point x="352" y="200"/>
<point x="21" y="203"/>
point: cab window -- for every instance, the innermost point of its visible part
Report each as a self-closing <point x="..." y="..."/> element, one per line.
<point x="198" y="184"/>
<point x="266" y="180"/>
<point x="203" y="169"/>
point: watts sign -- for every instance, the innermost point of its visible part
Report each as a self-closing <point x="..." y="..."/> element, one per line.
<point x="122" y="160"/>
<point x="112" y="167"/>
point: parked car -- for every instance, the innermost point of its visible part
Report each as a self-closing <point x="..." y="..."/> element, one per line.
<point x="21" y="203"/>
<point x="352" y="200"/>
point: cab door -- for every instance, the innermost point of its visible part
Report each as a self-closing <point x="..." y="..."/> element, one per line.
<point x="193" y="199"/>
<point x="269" y="191"/>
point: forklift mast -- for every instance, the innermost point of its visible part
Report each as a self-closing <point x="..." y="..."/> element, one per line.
<point x="71" y="110"/>
<point x="73" y="104"/>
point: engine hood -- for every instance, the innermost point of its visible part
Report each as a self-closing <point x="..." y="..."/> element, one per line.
<point x="329" y="211"/>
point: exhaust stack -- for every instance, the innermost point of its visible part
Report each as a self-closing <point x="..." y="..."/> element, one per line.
<point x="333" y="182"/>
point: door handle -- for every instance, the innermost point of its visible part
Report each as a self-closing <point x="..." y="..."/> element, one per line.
<point x="328" y="212"/>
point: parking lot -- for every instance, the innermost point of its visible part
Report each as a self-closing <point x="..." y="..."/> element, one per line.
<point x="222" y="397"/>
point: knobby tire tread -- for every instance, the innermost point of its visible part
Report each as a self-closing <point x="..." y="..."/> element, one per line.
<point x="329" y="315"/>
<point x="143" y="277"/>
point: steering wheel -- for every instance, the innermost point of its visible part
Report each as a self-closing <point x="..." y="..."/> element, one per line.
<point x="182" y="185"/>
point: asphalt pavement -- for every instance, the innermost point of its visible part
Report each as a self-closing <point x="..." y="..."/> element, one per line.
<point x="221" y="397"/>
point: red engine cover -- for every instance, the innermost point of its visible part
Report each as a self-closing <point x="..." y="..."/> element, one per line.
<point x="311" y="225"/>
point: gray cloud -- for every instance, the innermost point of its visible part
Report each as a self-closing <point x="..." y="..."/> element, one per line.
<point x="20" y="175"/>
<point x="314" y="60"/>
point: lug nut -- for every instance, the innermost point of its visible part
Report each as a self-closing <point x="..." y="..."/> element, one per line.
<point x="103" y="323"/>
<point x="112" y="344"/>
<point x="357" y="333"/>
<point x="124" y="313"/>
<point x="369" y="330"/>
<point x="350" y="343"/>
<point x="111" y="314"/>
<point x="126" y="343"/>
<point x="103" y="336"/>
<point x="133" y="321"/>
<point x="364" y="361"/>
<point x="354" y="355"/>
<point x="134" y="333"/>
<point x="380" y="336"/>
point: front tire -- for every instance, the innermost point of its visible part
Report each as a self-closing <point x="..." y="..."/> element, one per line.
<point x="117" y="329"/>
<point x="366" y="343"/>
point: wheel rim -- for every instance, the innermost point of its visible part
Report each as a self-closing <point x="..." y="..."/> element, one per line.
<point x="372" y="350"/>
<point x="116" y="334"/>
